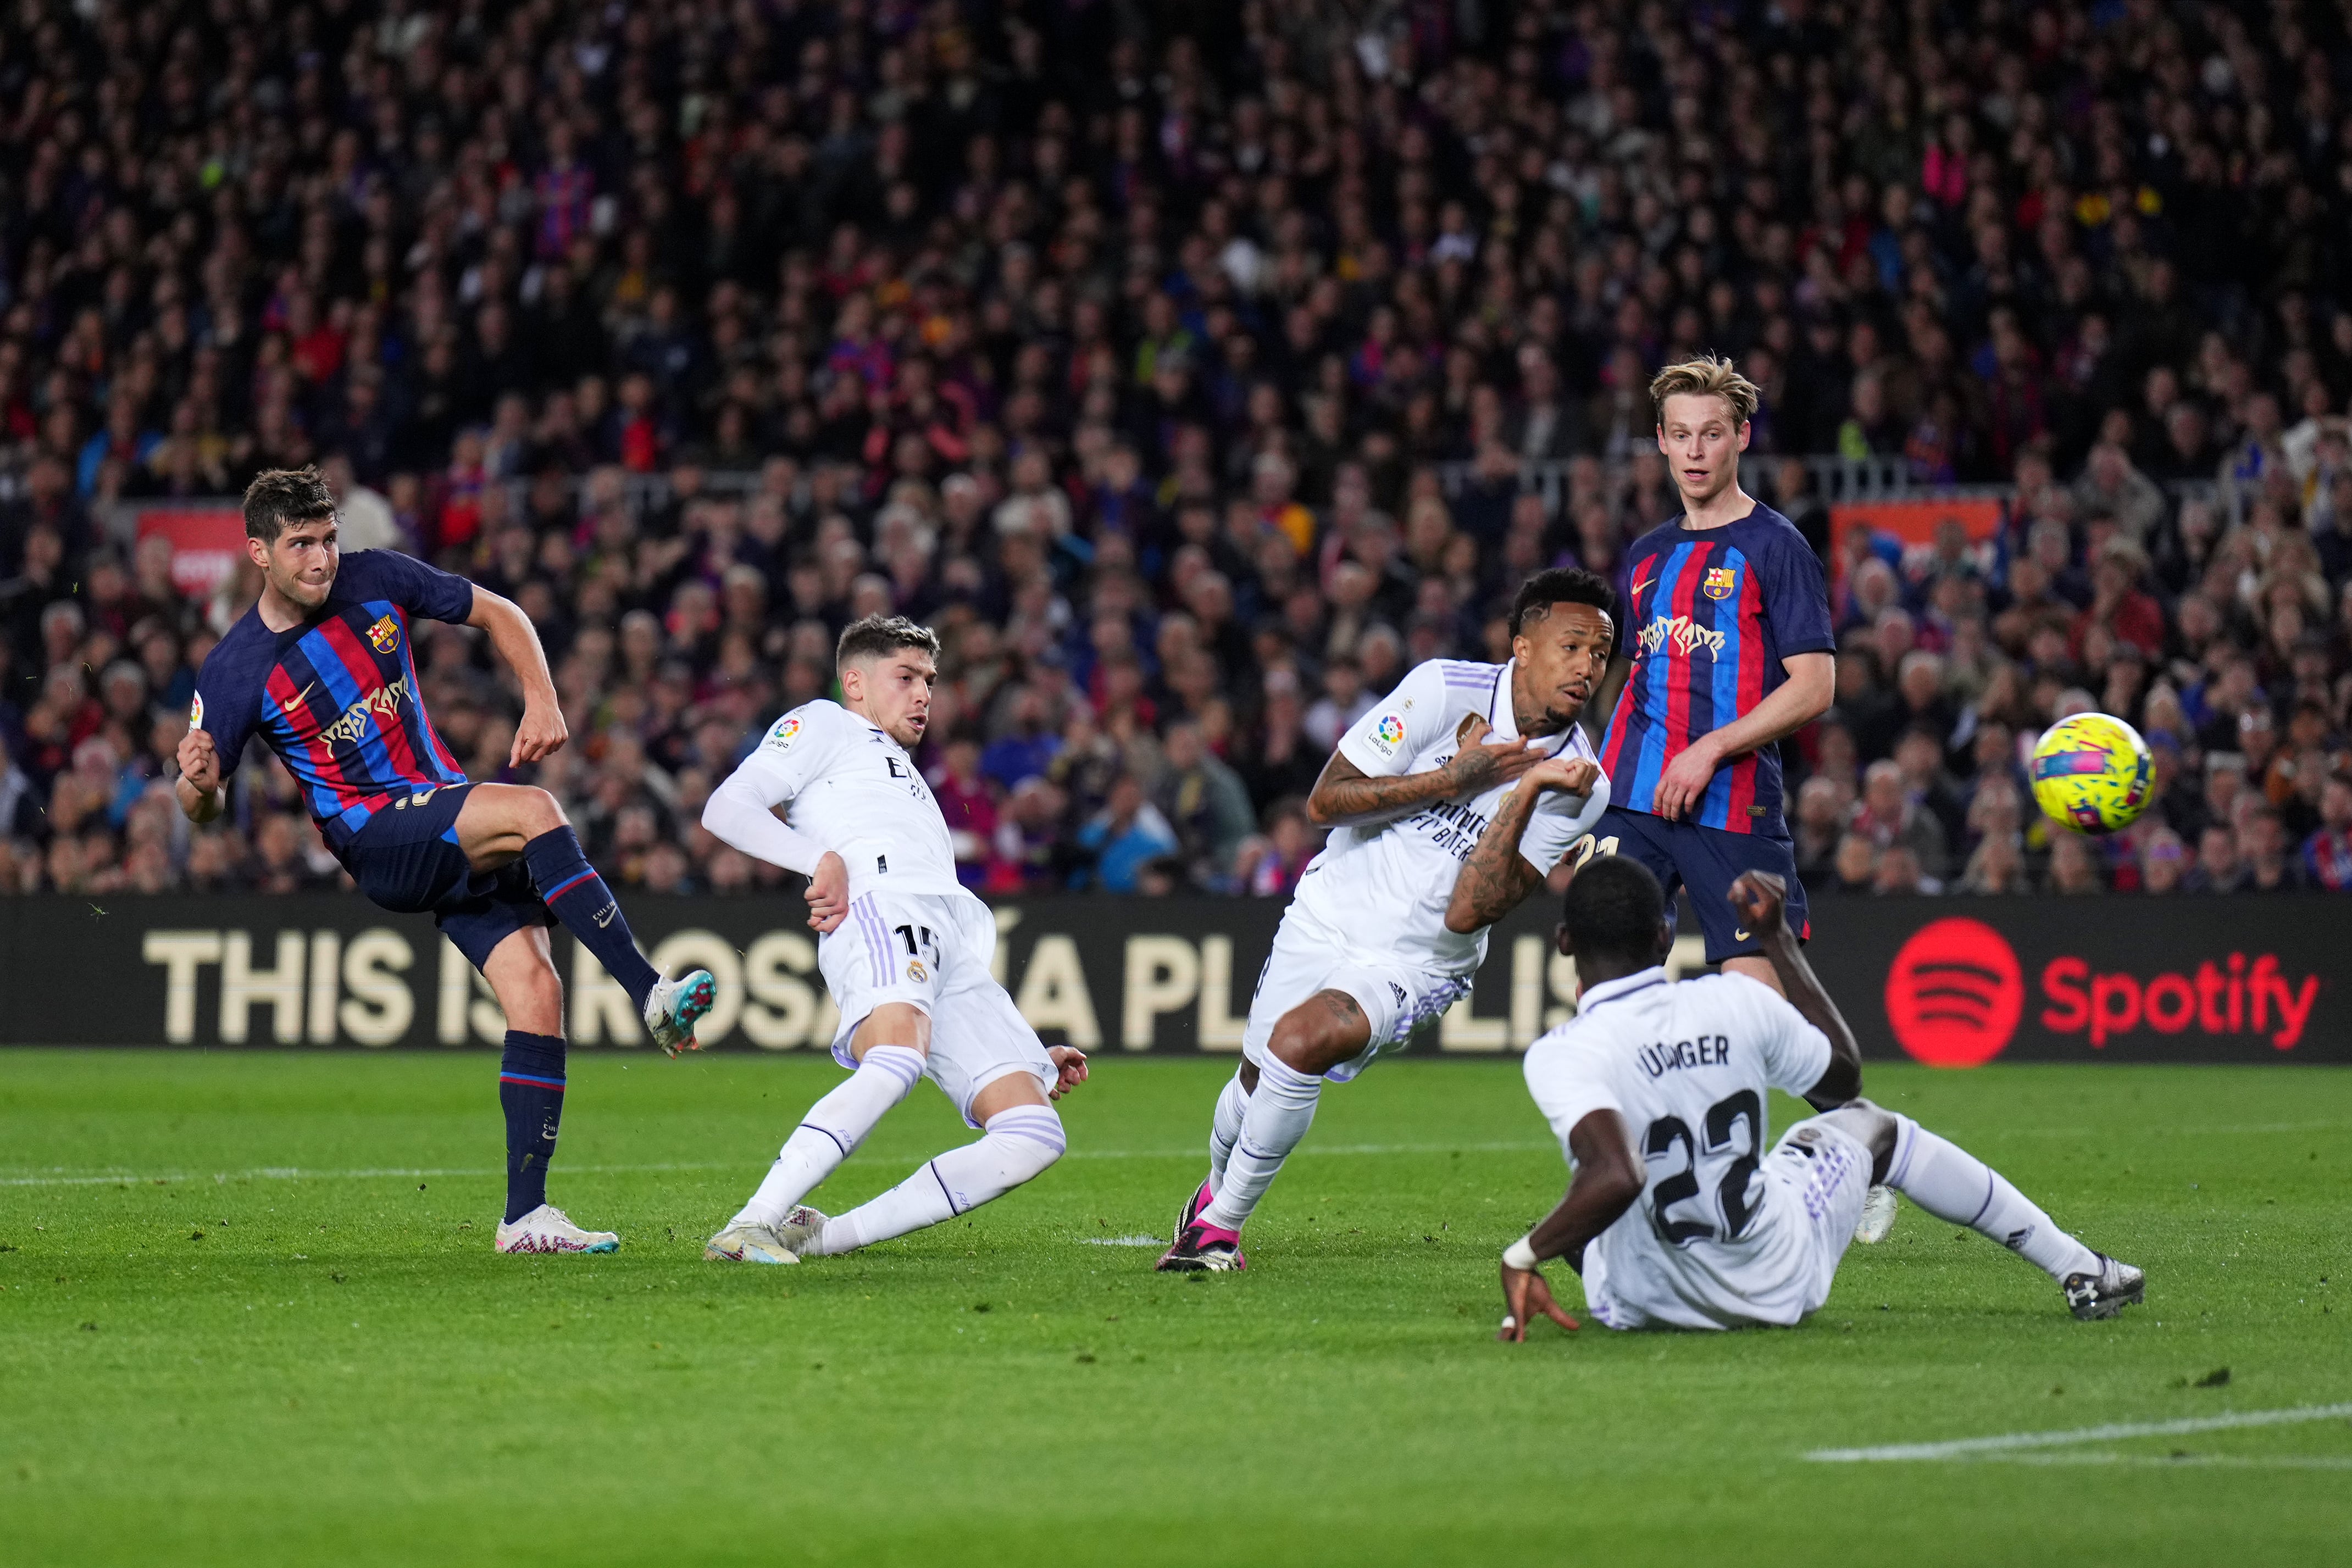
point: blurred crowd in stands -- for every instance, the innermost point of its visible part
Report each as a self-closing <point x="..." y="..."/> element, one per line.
<point x="1190" y="366"/>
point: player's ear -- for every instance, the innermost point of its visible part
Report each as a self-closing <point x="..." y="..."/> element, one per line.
<point x="1663" y="942"/>
<point x="1745" y="428"/>
<point x="1563" y="941"/>
<point x="257" y="550"/>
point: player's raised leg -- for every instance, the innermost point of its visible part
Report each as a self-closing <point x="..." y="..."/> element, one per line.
<point x="1958" y="1189"/>
<point x="531" y="1091"/>
<point x="502" y="821"/>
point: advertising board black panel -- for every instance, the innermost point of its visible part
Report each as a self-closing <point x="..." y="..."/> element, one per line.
<point x="1949" y="982"/>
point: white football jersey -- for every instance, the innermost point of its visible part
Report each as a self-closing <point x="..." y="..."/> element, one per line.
<point x="1385" y="886"/>
<point x="855" y="792"/>
<point x="1686" y="1064"/>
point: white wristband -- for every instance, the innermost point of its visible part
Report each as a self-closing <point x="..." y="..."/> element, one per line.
<point x="1520" y="1256"/>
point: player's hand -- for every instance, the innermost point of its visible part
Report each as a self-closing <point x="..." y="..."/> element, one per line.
<point x="1685" y="781"/>
<point x="1575" y="775"/>
<point x="1759" y="897"/>
<point x="1479" y="767"/>
<point x="200" y="761"/>
<point x="1071" y="1063"/>
<point x="828" y="894"/>
<point x="541" y="732"/>
<point x="1525" y="1294"/>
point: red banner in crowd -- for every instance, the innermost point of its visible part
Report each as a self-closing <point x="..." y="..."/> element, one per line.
<point x="1909" y="524"/>
<point x="206" y="543"/>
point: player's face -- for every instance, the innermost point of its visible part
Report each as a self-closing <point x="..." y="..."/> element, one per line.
<point x="895" y="692"/>
<point x="1702" y="444"/>
<point x="1561" y="658"/>
<point x="300" y="563"/>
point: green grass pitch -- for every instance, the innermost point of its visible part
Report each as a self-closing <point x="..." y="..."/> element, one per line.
<point x="251" y="1315"/>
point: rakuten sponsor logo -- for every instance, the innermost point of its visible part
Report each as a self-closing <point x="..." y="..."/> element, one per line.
<point x="2233" y="997"/>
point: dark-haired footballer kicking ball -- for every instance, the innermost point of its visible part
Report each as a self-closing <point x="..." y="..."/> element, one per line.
<point x="321" y="670"/>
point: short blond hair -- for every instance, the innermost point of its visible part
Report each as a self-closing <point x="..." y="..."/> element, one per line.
<point x="1706" y="376"/>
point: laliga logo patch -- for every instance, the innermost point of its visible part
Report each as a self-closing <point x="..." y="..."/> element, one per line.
<point x="1390" y="732"/>
<point x="1954" y="995"/>
<point x="785" y="731"/>
<point x="384" y="636"/>
<point x="196" y="712"/>
<point x="1722" y="582"/>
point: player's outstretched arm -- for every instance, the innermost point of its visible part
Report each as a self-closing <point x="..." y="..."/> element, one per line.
<point x="1609" y="1177"/>
<point x="1759" y="896"/>
<point x="1804" y="698"/>
<point x="541" y="730"/>
<point x="1497" y="876"/>
<point x="1345" y="794"/>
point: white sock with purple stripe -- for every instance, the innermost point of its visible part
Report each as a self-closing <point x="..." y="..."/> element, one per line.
<point x="1018" y="1146"/>
<point x="1225" y="1128"/>
<point x="1277" y="1116"/>
<point x="832" y="1131"/>
<point x="1958" y="1189"/>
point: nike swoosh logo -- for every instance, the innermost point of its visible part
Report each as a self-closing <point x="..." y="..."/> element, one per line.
<point x="1739" y="934"/>
<point x="298" y="697"/>
<point x="1636" y="593"/>
<point x="604" y="916"/>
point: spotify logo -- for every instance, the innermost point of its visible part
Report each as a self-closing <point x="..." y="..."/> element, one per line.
<point x="1954" y="995"/>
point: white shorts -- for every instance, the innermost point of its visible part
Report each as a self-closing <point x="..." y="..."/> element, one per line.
<point x="1816" y="1178"/>
<point x="1397" y="998"/>
<point x="932" y="951"/>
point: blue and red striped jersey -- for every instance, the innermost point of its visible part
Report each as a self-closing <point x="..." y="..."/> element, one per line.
<point x="1712" y="612"/>
<point x="336" y="697"/>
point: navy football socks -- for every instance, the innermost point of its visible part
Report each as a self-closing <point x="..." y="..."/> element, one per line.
<point x="571" y="888"/>
<point x="531" y="1091"/>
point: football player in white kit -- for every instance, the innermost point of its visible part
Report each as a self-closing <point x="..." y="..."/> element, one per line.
<point x="1365" y="951"/>
<point x="905" y="949"/>
<point x="1679" y="1214"/>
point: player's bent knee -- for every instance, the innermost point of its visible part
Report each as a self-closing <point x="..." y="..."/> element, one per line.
<point x="1319" y="1033"/>
<point x="1876" y="1128"/>
<point x="1028" y="1139"/>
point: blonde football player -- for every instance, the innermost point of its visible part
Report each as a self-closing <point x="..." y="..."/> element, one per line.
<point x="904" y="949"/>
<point x="1680" y="1215"/>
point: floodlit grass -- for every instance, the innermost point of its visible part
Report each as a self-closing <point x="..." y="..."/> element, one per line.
<point x="251" y="1315"/>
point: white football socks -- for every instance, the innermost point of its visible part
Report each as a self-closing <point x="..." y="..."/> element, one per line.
<point x="1225" y="1128"/>
<point x="832" y="1131"/>
<point x="1277" y="1117"/>
<point x="1955" y="1186"/>
<point x="1018" y="1146"/>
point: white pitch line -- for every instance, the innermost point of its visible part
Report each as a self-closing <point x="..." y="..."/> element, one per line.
<point x="297" y="1173"/>
<point x="1972" y="1448"/>
<point x="2167" y="1461"/>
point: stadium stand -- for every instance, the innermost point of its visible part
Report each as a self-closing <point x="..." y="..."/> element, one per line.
<point x="1196" y="377"/>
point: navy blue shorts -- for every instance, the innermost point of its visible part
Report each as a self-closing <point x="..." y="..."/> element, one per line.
<point x="1707" y="860"/>
<point x="407" y="860"/>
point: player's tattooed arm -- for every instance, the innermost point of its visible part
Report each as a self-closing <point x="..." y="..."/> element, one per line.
<point x="1496" y="876"/>
<point x="1344" y="794"/>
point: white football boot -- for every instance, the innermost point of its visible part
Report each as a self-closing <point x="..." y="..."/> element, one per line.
<point x="749" y="1244"/>
<point x="2103" y="1293"/>
<point x="548" y="1229"/>
<point x="800" y="1228"/>
<point x="674" y="1007"/>
<point x="1878" y="1208"/>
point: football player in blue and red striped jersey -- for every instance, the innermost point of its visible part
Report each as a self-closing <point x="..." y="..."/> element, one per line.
<point x="321" y="670"/>
<point x="1728" y="648"/>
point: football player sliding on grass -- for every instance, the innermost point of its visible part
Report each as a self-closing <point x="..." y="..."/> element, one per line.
<point x="1679" y="1214"/>
<point x="904" y="948"/>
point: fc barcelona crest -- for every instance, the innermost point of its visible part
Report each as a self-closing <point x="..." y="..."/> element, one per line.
<point x="384" y="636"/>
<point x="1722" y="582"/>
